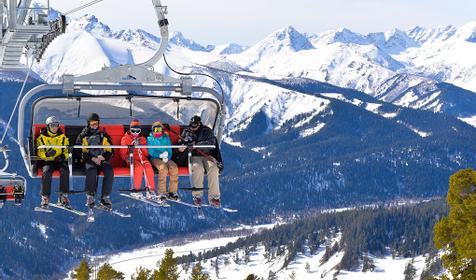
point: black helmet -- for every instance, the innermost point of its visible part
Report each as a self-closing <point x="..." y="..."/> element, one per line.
<point x="93" y="117"/>
<point x="195" y="121"/>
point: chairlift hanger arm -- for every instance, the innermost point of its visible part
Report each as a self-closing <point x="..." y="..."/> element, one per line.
<point x="141" y="73"/>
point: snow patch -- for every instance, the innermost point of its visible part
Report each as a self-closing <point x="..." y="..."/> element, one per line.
<point x="469" y="120"/>
<point x="311" y="131"/>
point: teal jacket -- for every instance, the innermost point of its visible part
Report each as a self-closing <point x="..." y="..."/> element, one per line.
<point x="162" y="141"/>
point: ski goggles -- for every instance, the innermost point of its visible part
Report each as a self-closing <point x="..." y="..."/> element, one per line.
<point x="157" y="129"/>
<point x="94" y="123"/>
<point x="135" y="130"/>
<point x="54" y="125"/>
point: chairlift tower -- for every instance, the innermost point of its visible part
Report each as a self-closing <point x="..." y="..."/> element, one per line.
<point x="23" y="27"/>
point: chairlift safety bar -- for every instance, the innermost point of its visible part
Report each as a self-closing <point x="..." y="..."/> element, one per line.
<point x="122" y="146"/>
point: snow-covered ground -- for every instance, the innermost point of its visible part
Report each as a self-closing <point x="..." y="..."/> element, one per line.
<point x="234" y="266"/>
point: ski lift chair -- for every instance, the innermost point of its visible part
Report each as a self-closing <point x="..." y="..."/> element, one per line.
<point x="118" y="94"/>
<point x="12" y="186"/>
<point x="116" y="112"/>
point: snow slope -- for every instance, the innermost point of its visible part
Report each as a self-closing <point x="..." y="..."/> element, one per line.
<point x="386" y="267"/>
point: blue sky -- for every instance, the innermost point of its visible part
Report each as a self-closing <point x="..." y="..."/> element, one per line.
<point x="246" y="21"/>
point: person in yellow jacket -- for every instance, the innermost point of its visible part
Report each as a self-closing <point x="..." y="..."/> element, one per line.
<point x="54" y="159"/>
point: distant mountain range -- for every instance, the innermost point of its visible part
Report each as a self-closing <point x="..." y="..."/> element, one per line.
<point x="314" y="120"/>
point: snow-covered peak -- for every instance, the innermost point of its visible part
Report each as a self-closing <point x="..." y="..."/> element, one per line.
<point x="286" y="38"/>
<point x="138" y="37"/>
<point x="230" y="49"/>
<point x="468" y="32"/>
<point x="343" y="35"/>
<point x="179" y="39"/>
<point x="91" y="24"/>
<point x="393" y="41"/>
<point x="431" y="35"/>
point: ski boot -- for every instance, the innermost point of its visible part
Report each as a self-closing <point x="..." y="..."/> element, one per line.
<point x="45" y="200"/>
<point x="215" y="202"/>
<point x="162" y="198"/>
<point x="137" y="195"/>
<point x="63" y="201"/>
<point x="106" y="203"/>
<point x="198" y="201"/>
<point x="150" y="195"/>
<point x="174" y="196"/>
<point x="19" y="195"/>
<point x="90" y="201"/>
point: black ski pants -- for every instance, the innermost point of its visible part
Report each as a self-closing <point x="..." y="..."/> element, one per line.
<point x="48" y="169"/>
<point x="92" y="172"/>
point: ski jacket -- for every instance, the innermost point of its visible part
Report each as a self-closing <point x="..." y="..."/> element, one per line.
<point x="88" y="137"/>
<point x="48" y="138"/>
<point x="203" y="136"/>
<point x="162" y="141"/>
<point x="128" y="140"/>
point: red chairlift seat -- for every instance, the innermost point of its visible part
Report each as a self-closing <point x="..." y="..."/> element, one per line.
<point x="115" y="132"/>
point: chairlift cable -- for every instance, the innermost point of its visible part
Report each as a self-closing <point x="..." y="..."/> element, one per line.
<point x="82" y="7"/>
<point x="196" y="74"/>
<point x="18" y="100"/>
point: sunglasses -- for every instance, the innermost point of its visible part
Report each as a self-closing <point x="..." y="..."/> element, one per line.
<point x="54" y="125"/>
<point x="157" y="129"/>
<point x="93" y="123"/>
<point x="135" y="130"/>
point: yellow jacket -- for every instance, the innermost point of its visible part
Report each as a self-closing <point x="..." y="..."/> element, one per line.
<point x="48" y="138"/>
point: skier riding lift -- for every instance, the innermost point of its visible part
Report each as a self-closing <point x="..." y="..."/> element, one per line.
<point x="162" y="159"/>
<point x="141" y="163"/>
<point x="54" y="159"/>
<point x="96" y="159"/>
<point x="208" y="160"/>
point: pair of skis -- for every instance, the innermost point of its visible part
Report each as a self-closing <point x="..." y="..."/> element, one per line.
<point x="90" y="214"/>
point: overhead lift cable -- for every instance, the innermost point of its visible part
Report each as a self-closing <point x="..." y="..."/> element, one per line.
<point x="82" y="7"/>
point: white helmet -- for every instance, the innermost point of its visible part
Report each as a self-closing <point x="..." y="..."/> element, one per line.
<point x="52" y="119"/>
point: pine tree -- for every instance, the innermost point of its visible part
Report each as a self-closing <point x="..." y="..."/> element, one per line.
<point x="410" y="271"/>
<point x="456" y="233"/>
<point x="216" y="265"/>
<point x="186" y="267"/>
<point x="368" y="264"/>
<point x="272" y="275"/>
<point x="168" y="269"/>
<point x="308" y="268"/>
<point x="198" y="274"/>
<point x="82" y="271"/>
<point x="251" y="277"/>
<point x="142" y="274"/>
<point x="106" y="272"/>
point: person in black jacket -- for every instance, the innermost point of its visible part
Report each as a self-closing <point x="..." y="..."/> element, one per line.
<point x="207" y="161"/>
<point x="96" y="159"/>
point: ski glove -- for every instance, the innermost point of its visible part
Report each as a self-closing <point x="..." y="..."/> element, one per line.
<point x="59" y="158"/>
<point x="220" y="167"/>
<point x="164" y="156"/>
<point x="50" y="153"/>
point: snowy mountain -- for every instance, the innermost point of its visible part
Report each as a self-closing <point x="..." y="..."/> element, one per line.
<point x="370" y="63"/>
<point x="331" y="119"/>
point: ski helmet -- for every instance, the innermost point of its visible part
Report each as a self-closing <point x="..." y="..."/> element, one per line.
<point x="157" y="129"/>
<point x="93" y="117"/>
<point x="195" y="121"/>
<point x="51" y="120"/>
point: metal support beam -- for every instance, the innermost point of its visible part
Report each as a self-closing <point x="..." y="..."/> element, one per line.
<point x="12" y="14"/>
<point x="23" y="11"/>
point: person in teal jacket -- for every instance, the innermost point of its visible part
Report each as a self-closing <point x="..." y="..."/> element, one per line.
<point x="161" y="158"/>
